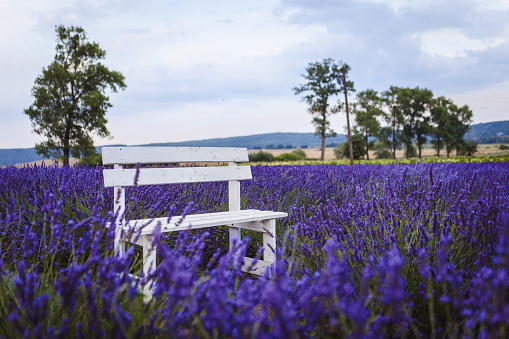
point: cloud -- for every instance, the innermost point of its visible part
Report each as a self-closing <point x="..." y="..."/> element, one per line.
<point x="182" y="59"/>
<point x="410" y="44"/>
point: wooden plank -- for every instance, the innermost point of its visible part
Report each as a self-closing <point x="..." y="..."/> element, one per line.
<point x="157" y="155"/>
<point x="258" y="268"/>
<point x="269" y="241"/>
<point x="247" y="219"/>
<point x="234" y="205"/>
<point x="119" y="208"/>
<point x="159" y="176"/>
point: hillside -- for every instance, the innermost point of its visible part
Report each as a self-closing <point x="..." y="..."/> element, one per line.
<point x="491" y="132"/>
<point x="15" y="156"/>
<point x="274" y="140"/>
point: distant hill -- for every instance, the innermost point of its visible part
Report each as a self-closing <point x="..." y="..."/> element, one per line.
<point x="274" y="140"/>
<point x="491" y="132"/>
<point x="15" y="156"/>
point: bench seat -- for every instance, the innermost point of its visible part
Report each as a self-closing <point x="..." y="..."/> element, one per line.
<point x="245" y="219"/>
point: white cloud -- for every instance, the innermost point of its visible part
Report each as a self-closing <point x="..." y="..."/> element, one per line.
<point x="181" y="59"/>
<point x="453" y="43"/>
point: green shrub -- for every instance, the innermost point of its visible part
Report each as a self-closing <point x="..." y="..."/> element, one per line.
<point x="288" y="157"/>
<point x="93" y="160"/>
<point x="300" y="153"/>
<point x="261" y="156"/>
<point x="382" y="151"/>
<point x="468" y="148"/>
<point x="503" y="147"/>
<point x="412" y="152"/>
<point x="342" y="150"/>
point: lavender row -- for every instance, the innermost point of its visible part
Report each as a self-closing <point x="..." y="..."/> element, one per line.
<point x="409" y="250"/>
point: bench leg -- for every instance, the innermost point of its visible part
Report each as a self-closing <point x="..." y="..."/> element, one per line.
<point x="269" y="246"/>
<point x="119" y="244"/>
<point x="234" y="235"/>
<point x="149" y="264"/>
<point x="269" y="239"/>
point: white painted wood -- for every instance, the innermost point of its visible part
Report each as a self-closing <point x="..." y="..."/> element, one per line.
<point x="161" y="176"/>
<point x="234" y="205"/>
<point x="258" y="268"/>
<point x="158" y="155"/>
<point x="247" y="219"/>
<point x="140" y="231"/>
<point x="269" y="239"/>
<point x="149" y="265"/>
<point x="119" y="208"/>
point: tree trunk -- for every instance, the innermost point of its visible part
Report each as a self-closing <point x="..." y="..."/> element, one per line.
<point x="367" y="147"/>
<point x="322" y="157"/>
<point x="420" y="148"/>
<point x="65" y="159"/>
<point x="348" y="119"/>
<point x="408" y="151"/>
<point x="67" y="147"/>
<point x="394" y="139"/>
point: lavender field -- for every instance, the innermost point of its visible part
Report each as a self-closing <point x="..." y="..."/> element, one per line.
<point x="367" y="251"/>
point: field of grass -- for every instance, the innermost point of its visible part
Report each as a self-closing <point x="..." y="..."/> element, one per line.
<point x="409" y="250"/>
<point x="484" y="150"/>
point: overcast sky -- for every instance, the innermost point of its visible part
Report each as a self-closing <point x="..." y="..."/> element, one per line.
<point x="212" y="69"/>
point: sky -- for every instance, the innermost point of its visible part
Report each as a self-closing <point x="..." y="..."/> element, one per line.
<point x="220" y="68"/>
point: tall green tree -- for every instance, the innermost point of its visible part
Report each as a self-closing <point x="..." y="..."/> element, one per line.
<point x="70" y="101"/>
<point x="367" y="109"/>
<point x="391" y="135"/>
<point x="404" y="100"/>
<point x="415" y="105"/>
<point x="463" y="120"/>
<point x="420" y="118"/>
<point x="440" y="119"/>
<point x="347" y="84"/>
<point x="456" y="124"/>
<point x="322" y="86"/>
<point x="343" y="150"/>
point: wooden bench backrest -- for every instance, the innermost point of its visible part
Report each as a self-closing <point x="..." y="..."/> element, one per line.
<point x="120" y="177"/>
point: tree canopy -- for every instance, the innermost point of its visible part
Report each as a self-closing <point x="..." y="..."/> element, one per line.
<point x="366" y="111"/>
<point x="70" y="101"/>
<point x="411" y="115"/>
<point x="324" y="82"/>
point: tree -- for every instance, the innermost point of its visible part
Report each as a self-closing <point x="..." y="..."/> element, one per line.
<point x="70" y="101"/>
<point x="468" y="148"/>
<point x="450" y="124"/>
<point x="394" y="118"/>
<point x="458" y="124"/>
<point x="440" y="116"/>
<point x="323" y="83"/>
<point x="404" y="100"/>
<point x="300" y="153"/>
<point x="415" y="104"/>
<point x="343" y="150"/>
<point x="464" y="118"/>
<point x="421" y="105"/>
<point x="347" y="85"/>
<point x="366" y="111"/>
<point x="382" y="151"/>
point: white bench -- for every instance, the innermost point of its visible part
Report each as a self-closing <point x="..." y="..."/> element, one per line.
<point x="235" y="218"/>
